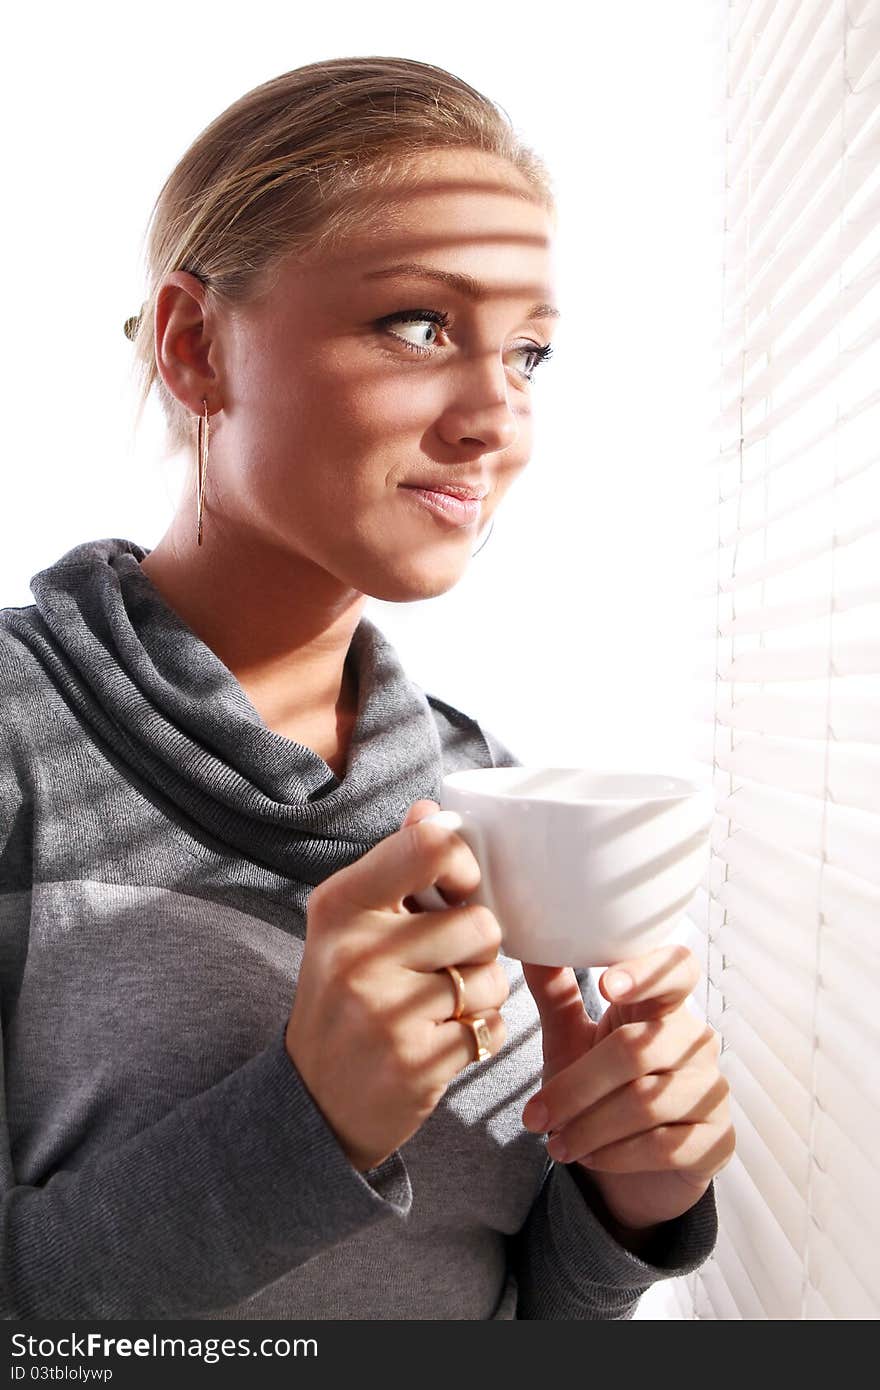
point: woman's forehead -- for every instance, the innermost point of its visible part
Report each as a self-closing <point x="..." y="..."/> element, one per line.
<point x="475" y="230"/>
<point x="470" y="240"/>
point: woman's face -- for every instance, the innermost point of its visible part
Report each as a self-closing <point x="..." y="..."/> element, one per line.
<point x="345" y="384"/>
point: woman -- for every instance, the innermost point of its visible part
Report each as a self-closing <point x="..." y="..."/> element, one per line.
<point x="240" y="1072"/>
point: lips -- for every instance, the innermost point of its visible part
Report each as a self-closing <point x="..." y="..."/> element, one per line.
<point x="452" y="510"/>
<point x="466" y="492"/>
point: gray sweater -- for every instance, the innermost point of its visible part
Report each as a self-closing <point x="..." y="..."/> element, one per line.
<point x="160" y="1156"/>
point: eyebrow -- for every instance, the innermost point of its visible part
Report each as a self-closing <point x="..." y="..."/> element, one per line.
<point x="465" y="284"/>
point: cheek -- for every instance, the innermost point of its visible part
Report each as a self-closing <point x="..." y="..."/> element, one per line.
<point x="381" y="406"/>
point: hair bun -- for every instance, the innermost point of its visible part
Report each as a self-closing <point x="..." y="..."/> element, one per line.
<point x="131" y="326"/>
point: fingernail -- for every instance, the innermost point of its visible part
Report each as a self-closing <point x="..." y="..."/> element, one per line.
<point x="618" y="982"/>
<point x="450" y="820"/>
<point x="535" y="1116"/>
<point x="557" y="1149"/>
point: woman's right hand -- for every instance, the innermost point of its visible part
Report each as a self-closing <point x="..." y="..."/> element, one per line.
<point x="371" y="1029"/>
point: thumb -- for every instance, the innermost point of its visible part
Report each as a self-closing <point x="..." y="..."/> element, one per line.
<point x="417" y="812"/>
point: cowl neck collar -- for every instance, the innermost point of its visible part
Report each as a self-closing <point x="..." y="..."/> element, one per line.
<point x="172" y="712"/>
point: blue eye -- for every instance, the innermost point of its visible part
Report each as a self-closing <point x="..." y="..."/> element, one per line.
<point x="441" y="320"/>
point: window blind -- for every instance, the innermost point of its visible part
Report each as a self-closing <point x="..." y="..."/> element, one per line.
<point x="787" y="920"/>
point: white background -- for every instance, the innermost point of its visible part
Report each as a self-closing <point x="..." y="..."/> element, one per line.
<point x="570" y="634"/>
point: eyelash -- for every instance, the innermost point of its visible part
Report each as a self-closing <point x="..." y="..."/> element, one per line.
<point x="441" y="319"/>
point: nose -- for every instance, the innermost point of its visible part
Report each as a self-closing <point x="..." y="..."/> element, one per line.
<point x="480" y="411"/>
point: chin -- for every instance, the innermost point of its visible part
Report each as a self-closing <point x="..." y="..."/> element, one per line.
<point x="415" y="582"/>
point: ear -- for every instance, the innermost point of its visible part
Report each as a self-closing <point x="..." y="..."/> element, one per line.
<point x="186" y="344"/>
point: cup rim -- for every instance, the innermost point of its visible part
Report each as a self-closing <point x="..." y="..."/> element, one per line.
<point x="683" y="787"/>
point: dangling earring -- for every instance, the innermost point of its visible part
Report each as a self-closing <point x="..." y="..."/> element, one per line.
<point x="202" y="461"/>
<point x="488" y="534"/>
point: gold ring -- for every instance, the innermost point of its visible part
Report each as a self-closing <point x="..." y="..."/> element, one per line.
<point x="481" y="1037"/>
<point x="456" y="978"/>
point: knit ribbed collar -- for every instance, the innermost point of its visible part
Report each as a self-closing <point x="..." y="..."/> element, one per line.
<point x="177" y="717"/>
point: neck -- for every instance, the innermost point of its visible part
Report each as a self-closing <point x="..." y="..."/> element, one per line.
<point x="281" y="625"/>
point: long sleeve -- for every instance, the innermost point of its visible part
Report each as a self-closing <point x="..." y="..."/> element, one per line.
<point x="224" y="1194"/>
<point x="569" y="1267"/>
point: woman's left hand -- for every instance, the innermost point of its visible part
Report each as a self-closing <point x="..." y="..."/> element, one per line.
<point x="637" y="1099"/>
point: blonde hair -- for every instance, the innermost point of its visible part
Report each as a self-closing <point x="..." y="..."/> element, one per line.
<point x="289" y="169"/>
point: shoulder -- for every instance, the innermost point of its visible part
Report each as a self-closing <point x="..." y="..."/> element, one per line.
<point x="463" y="735"/>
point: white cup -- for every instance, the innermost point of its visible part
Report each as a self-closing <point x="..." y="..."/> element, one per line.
<point x="580" y="867"/>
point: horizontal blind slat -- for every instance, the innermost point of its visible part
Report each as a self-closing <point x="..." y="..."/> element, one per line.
<point x="836" y="1281"/>
<point x="799" y="557"/>
<point x="850" y="719"/>
<point x="775" y="1155"/>
<point x="754" y="935"/>
<point x="760" y="263"/>
<point x="847" y="962"/>
<point x="756" y="960"/>
<point x="786" y="615"/>
<point x="789" y="71"/>
<point x="721" y="1300"/>
<point x="851" y="1229"/>
<point x="776" y="135"/>
<point x="776" y="194"/>
<point x="813" y="396"/>
<point x="761" y="1244"/>
<point x="770" y="315"/>
<point x="853" y="1115"/>
<point x="827" y="497"/>
<point x="682" y="1296"/>
<point x="849" y="1045"/>
<point x="746" y="28"/>
<point x="789" y="1095"/>
<point x="797" y="887"/>
<point x="758" y="1007"/>
<point x="851" y="1123"/>
<point x="816" y="1309"/>
<point x="839" y="658"/>
<point x="823" y="329"/>
<point x="849" y="838"/>
<point x="848" y="441"/>
<point x="851" y="769"/>
<point x="733" y="1274"/>
<point x="731" y="457"/>
<point x="778" y="54"/>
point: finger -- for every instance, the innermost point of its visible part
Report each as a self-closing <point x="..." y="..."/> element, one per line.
<point x="633" y="1049"/>
<point x="408" y="861"/>
<point x="485" y="988"/>
<point x="555" y="991"/>
<point x="658" y="981"/>
<point x="567" y="1030"/>
<point x="690" y="1096"/>
<point x="432" y="940"/>
<point x="697" y="1152"/>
